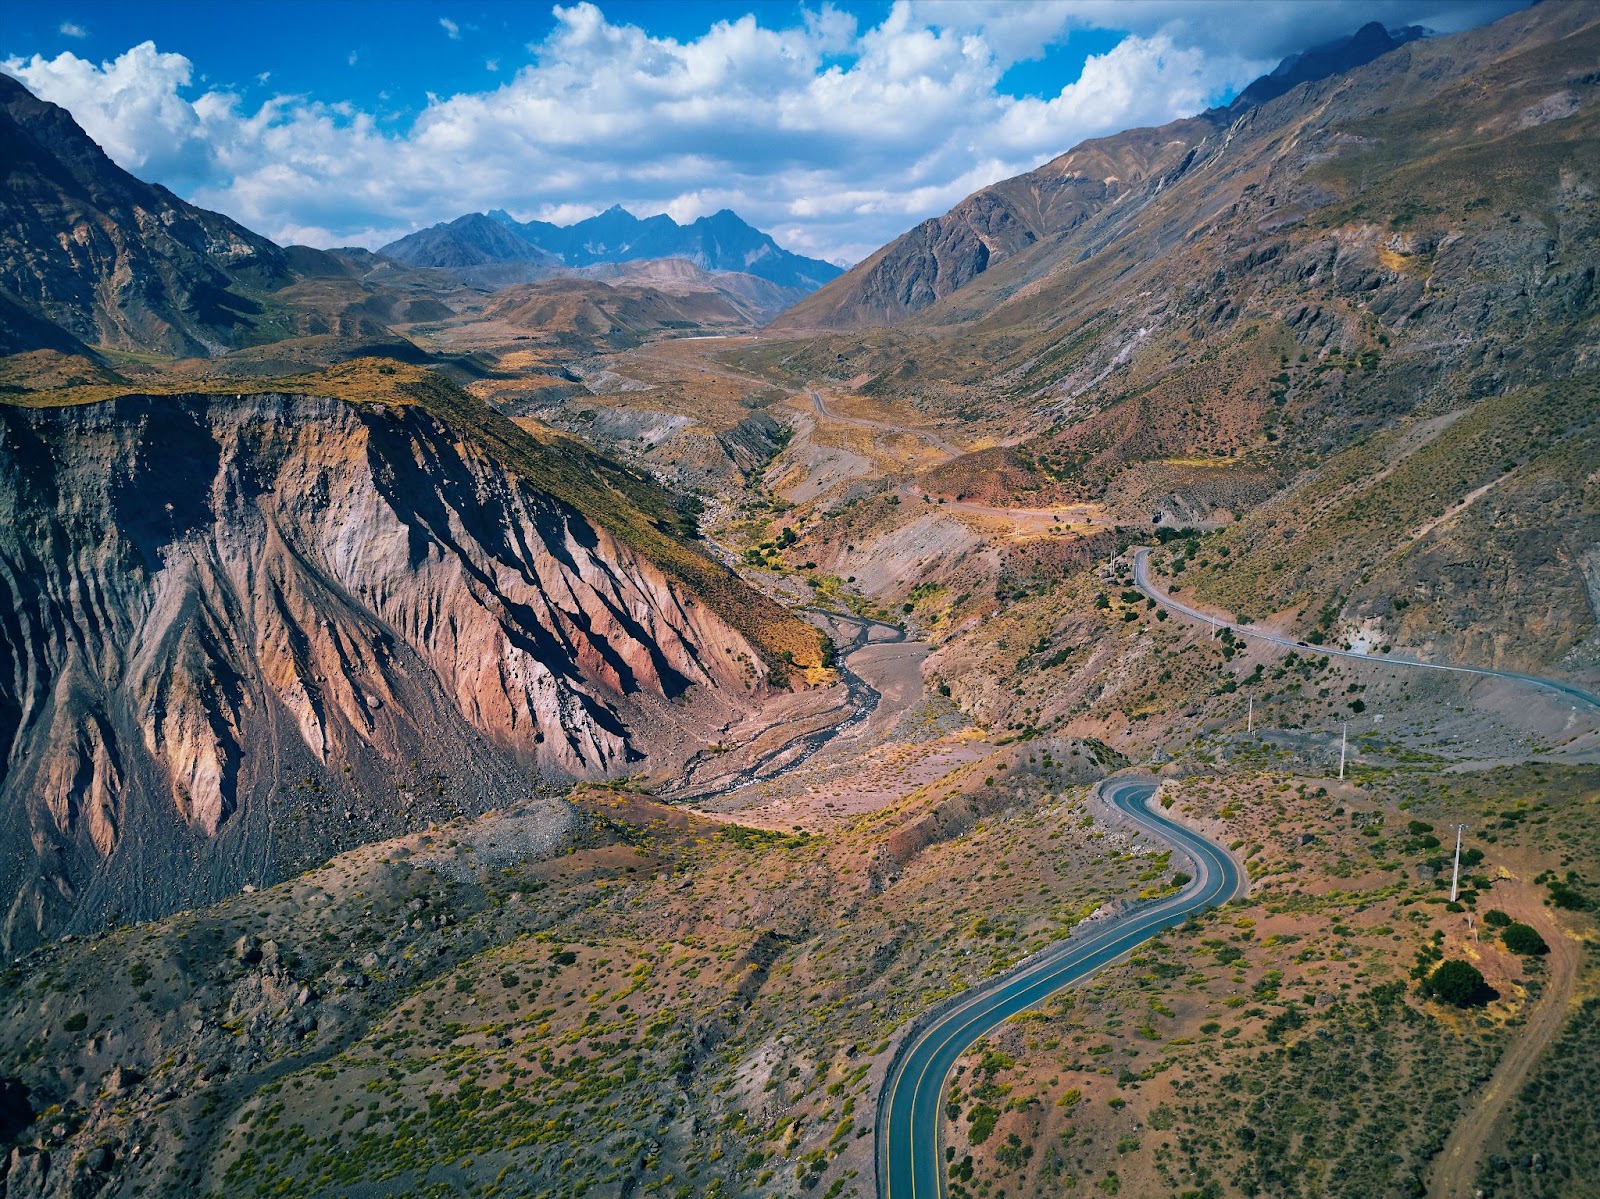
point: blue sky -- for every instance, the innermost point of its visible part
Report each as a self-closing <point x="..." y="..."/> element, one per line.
<point x="388" y="57"/>
<point x="833" y="125"/>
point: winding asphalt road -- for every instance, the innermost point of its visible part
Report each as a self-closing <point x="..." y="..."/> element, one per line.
<point x="1141" y="579"/>
<point x="909" y="1161"/>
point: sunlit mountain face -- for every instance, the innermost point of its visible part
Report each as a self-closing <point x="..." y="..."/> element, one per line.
<point x="849" y="601"/>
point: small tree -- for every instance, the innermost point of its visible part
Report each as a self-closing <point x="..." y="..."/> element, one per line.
<point x="1456" y="982"/>
<point x="1495" y="918"/>
<point x="1523" y="939"/>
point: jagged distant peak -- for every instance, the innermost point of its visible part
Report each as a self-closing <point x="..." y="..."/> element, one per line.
<point x="1371" y="41"/>
<point x="720" y="241"/>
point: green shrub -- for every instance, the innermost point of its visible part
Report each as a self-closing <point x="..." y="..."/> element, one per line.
<point x="982" y="1118"/>
<point x="1456" y="982"/>
<point x="1523" y="939"/>
<point x="1564" y="895"/>
<point x="1495" y="918"/>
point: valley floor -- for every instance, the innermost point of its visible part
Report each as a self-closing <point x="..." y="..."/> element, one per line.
<point x="694" y="983"/>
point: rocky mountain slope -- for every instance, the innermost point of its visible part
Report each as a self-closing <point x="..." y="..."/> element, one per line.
<point x="1039" y="219"/>
<point x="944" y="254"/>
<point x="1348" y="337"/>
<point x="241" y="630"/>
<point x="720" y="242"/>
<point x="113" y="260"/>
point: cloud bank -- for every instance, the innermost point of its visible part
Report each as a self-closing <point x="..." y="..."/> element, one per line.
<point x="833" y="137"/>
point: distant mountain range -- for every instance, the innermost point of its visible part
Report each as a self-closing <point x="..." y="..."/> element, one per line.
<point x="93" y="258"/>
<point x="99" y="258"/>
<point x="720" y="242"/>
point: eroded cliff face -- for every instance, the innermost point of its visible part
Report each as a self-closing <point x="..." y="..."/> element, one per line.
<point x="238" y="634"/>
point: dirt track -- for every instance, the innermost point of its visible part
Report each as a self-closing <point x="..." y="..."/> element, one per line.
<point x="821" y="408"/>
<point x="1456" y="1167"/>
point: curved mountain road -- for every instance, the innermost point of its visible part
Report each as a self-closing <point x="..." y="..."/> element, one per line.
<point x="909" y="1103"/>
<point x="1141" y="580"/>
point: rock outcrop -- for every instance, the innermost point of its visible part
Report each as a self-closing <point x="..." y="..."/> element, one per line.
<point x="240" y="633"/>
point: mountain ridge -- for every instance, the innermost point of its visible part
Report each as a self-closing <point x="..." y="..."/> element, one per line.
<point x="943" y="254"/>
<point x="719" y="242"/>
<point x="111" y="259"/>
<point x="1329" y="58"/>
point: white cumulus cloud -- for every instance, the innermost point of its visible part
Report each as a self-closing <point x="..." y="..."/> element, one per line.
<point x="131" y="106"/>
<point x="832" y="136"/>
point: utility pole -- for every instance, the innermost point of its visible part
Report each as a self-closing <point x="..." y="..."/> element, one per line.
<point x="1344" y="737"/>
<point x="1250" y="716"/>
<point x="1455" y="875"/>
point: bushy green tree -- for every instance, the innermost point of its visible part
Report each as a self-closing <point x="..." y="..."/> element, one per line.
<point x="1455" y="982"/>
<point x="1523" y="939"/>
